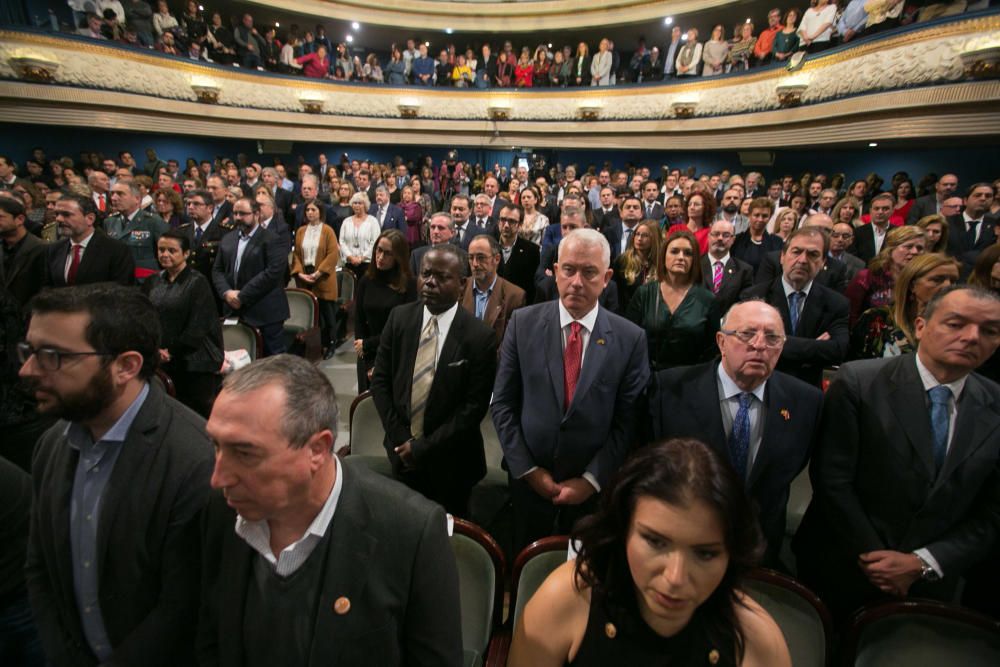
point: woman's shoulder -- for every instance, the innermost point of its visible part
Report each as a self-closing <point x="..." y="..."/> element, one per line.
<point x="764" y="642"/>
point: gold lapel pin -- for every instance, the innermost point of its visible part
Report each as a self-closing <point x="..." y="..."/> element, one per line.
<point x="342" y="605"/>
<point x="610" y="630"/>
<point x="713" y="657"/>
<point x="785" y="414"/>
<point x="600" y="341"/>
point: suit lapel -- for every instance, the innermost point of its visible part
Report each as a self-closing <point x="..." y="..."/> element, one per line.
<point x="411" y="341"/>
<point x="780" y="301"/>
<point x="812" y="310"/>
<point x="777" y="422"/>
<point x="552" y="335"/>
<point x="908" y="392"/>
<point x="977" y="419"/>
<point x="495" y="303"/>
<point x="241" y="278"/>
<point x="705" y="405"/>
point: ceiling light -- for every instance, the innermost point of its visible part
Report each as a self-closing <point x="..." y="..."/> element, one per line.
<point x="872" y="144"/>
<point x="449" y="30"/>
<point x="749" y="21"/>
<point x="684" y="37"/>
<point x="355" y="26"/>
<point x="669" y="20"/>
<point x="277" y="25"/>
<point x="349" y="39"/>
<point x="427" y="43"/>
<point x="550" y="45"/>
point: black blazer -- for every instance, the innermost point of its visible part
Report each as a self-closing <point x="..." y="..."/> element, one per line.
<point x="657" y="213"/>
<point x="584" y="68"/>
<point x="25" y="275"/>
<point x="604" y="220"/>
<point x="832" y="275"/>
<point x="547" y="290"/>
<point x="874" y="482"/>
<point x="394" y="218"/>
<point x="520" y="268"/>
<point x="105" y="260"/>
<point x="922" y="207"/>
<point x="225" y="214"/>
<point x="613" y="233"/>
<point x="824" y="311"/>
<point x="684" y="404"/>
<point x="451" y="449"/>
<point x="959" y="246"/>
<point x="147" y="537"/>
<point x="864" y="243"/>
<point x="260" y="281"/>
<point x="388" y="555"/>
<point x="417" y="256"/>
<point x="737" y="276"/>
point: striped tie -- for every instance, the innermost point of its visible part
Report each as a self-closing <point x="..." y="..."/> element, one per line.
<point x="423" y="376"/>
<point x="717" y="278"/>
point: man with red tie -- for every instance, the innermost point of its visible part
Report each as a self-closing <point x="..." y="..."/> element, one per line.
<point x="564" y="401"/>
<point x="84" y="255"/>
<point x="100" y="185"/>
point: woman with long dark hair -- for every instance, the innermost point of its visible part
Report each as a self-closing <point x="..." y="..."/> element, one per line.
<point x="657" y="576"/>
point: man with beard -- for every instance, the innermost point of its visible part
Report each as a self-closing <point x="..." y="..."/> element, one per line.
<point x="112" y="566"/>
<point x="730" y="210"/>
<point x="82" y="255"/>
<point x="519" y="257"/>
<point x="488" y="296"/>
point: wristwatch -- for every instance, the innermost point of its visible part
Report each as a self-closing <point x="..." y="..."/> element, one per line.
<point x="927" y="573"/>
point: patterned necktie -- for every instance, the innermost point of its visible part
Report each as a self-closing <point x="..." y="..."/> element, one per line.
<point x="939" y="396"/>
<point x="74" y="264"/>
<point x="423" y="376"/>
<point x="739" y="439"/>
<point x="717" y="278"/>
<point x="572" y="357"/>
<point x="794" y="299"/>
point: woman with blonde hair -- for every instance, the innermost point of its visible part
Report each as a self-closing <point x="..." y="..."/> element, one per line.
<point x="872" y="287"/>
<point x="936" y="232"/>
<point x="786" y="221"/>
<point x="887" y="331"/>
<point x="638" y="264"/>
<point x="847" y="210"/>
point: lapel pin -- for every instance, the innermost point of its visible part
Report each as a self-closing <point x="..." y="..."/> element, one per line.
<point x="785" y="413"/>
<point x="713" y="657"/>
<point x="342" y="605"/>
<point x="600" y="341"/>
<point x="610" y="630"/>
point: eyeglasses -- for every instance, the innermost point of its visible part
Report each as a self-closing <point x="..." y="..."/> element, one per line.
<point x="750" y="335"/>
<point x="510" y="221"/>
<point x="50" y="359"/>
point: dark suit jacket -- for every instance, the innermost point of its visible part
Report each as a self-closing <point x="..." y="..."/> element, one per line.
<point x="203" y="254"/>
<point x="684" y="404"/>
<point x="852" y="265"/>
<point x="105" y="260"/>
<point x="147" y="536"/>
<point x="504" y="299"/>
<point x="388" y="554"/>
<point x="599" y="429"/>
<point x="394" y="218"/>
<point x="874" y="482"/>
<point x="922" y="207"/>
<point x="520" y="268"/>
<point x="451" y="449"/>
<point x="737" y="276"/>
<point x="225" y="213"/>
<point x="959" y="246"/>
<point x="824" y="311"/>
<point x="864" y="243"/>
<point x="657" y="213"/>
<point x="603" y="221"/>
<point x="262" y="270"/>
<point x="832" y="275"/>
<point x="417" y="256"/>
<point x="471" y="231"/>
<point x="25" y="275"/>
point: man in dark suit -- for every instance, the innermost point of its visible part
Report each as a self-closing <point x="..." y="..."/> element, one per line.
<point x="906" y="489"/>
<point x="85" y="255"/>
<point x="22" y="260"/>
<point x="763" y="422"/>
<point x="204" y="235"/>
<point x="431" y="385"/>
<point x="329" y="563"/>
<point x="112" y="568"/>
<point x="722" y="273"/>
<point x="832" y="274"/>
<point x="651" y="208"/>
<point x="465" y="231"/>
<point x="282" y="197"/>
<point x="310" y="194"/>
<point x="389" y="215"/>
<point x="606" y="215"/>
<point x="972" y="231"/>
<point x="815" y="316"/>
<point x="491" y="187"/>
<point x="482" y="215"/>
<point x="945" y="187"/>
<point x="488" y="296"/>
<point x="869" y="239"/>
<point x="363" y="183"/>
<point x="518" y="256"/>
<point x="564" y="401"/>
<point x="841" y="238"/>
<point x="619" y="234"/>
<point x="248" y="275"/>
<point x="221" y="209"/>
<point x="441" y="230"/>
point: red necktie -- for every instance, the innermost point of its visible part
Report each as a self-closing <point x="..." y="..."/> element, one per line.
<point x="572" y="357"/>
<point x="74" y="265"/>
<point x="102" y="204"/>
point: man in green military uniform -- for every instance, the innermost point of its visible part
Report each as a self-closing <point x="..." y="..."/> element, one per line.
<point x="138" y="229"/>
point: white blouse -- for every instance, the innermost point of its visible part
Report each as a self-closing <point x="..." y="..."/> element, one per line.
<point x="310" y="244"/>
<point x="535" y="231"/>
<point x="358" y="241"/>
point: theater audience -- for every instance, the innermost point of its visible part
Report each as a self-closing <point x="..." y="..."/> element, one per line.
<point x="935" y="232"/>
<point x="715" y="53"/>
<point x="488" y="296"/>
<point x="83" y="255"/>
<point x="357" y="235"/>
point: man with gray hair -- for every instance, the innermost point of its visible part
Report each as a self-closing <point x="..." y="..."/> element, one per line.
<point x="323" y="549"/>
<point x="389" y="215"/>
<point x="138" y="229"/>
<point x="564" y="401"/>
<point x="282" y="197"/>
<point x="310" y="192"/>
<point x="441" y="229"/>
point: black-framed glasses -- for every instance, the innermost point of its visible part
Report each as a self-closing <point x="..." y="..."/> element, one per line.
<point x="510" y="221"/>
<point x="50" y="359"/>
<point x="750" y="335"/>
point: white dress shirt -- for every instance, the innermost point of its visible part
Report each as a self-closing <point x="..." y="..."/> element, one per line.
<point x="69" y="255"/>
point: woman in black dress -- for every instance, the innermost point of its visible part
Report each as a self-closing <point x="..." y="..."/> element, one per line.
<point x="656" y="580"/>
<point x="191" y="352"/>
<point x="386" y="283"/>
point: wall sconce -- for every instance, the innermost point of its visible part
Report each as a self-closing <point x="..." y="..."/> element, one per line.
<point x="408" y="109"/>
<point x="982" y="63"/>
<point x="206" y="93"/>
<point x="588" y="111"/>
<point x="498" y="112"/>
<point x="34" y="69"/>
<point x="790" y="94"/>
<point x="312" y="104"/>
<point x="684" y="109"/>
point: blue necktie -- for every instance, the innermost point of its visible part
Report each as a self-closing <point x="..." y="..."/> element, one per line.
<point x="739" y="439"/>
<point x="939" y="396"/>
<point x="197" y="235"/>
<point x="793" y="310"/>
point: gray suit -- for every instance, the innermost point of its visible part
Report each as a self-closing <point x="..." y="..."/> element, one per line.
<point x="922" y="206"/>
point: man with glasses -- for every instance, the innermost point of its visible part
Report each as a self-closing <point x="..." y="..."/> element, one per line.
<point x="723" y="274"/>
<point x="221" y="209"/>
<point x="518" y="256"/>
<point x="204" y="232"/>
<point x="841" y="238"/>
<point x="249" y="273"/>
<point x="488" y="296"/>
<point x="83" y="256"/>
<point x="762" y="421"/>
<point x="815" y="316"/>
<point x="112" y="567"/>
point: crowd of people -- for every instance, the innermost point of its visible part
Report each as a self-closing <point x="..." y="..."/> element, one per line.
<point x="210" y="36"/>
<point x="591" y="311"/>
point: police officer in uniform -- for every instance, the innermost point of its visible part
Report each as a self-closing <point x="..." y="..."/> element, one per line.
<point x="138" y="229"/>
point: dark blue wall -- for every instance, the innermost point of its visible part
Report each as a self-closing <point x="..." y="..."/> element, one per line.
<point x="973" y="163"/>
